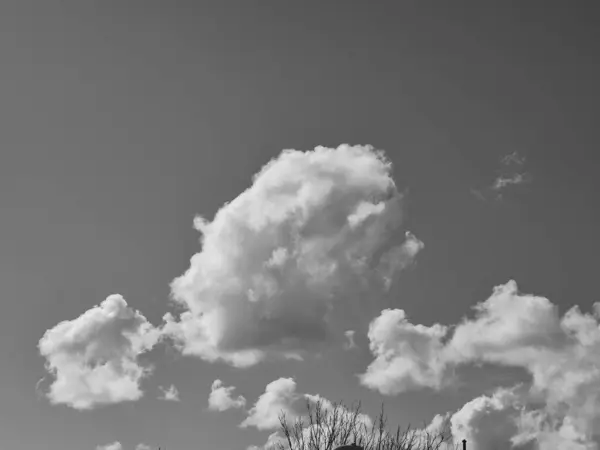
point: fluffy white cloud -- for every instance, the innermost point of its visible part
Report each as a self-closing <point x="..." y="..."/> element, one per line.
<point x="407" y="356"/>
<point x="279" y="397"/>
<point x="508" y="328"/>
<point x="221" y="397"/>
<point x="315" y="229"/>
<point x="561" y="354"/>
<point x="113" y="446"/>
<point x="488" y="422"/>
<point x="94" y="357"/>
<point x="512" y="418"/>
<point x="170" y="394"/>
<point x="559" y="409"/>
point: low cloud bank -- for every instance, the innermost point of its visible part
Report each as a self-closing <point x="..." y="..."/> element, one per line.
<point x="561" y="406"/>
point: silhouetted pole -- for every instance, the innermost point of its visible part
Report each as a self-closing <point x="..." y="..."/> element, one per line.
<point x="464" y="444"/>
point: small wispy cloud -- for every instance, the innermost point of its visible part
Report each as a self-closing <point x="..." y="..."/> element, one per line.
<point x="38" y="387"/>
<point x="143" y="447"/>
<point x="511" y="173"/>
<point x="502" y="181"/>
<point x="350" y="343"/>
<point x="170" y="394"/>
<point x="513" y="158"/>
<point x="114" y="446"/>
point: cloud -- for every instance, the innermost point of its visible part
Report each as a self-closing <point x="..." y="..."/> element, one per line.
<point x="513" y="159"/>
<point x="508" y="329"/>
<point x="558" y="409"/>
<point x="328" y="425"/>
<point x="221" y="398"/>
<point x="93" y="358"/>
<point x="279" y="397"/>
<point x="143" y="447"/>
<point x="336" y="422"/>
<point x="340" y="410"/>
<point x="283" y="398"/>
<point x="526" y="331"/>
<point x="407" y="356"/>
<point x="350" y="344"/>
<point x="488" y="422"/>
<point x="514" y="179"/>
<point x="113" y="446"/>
<point x="560" y="353"/>
<point x="169" y="394"/>
<point x="274" y="440"/>
<point x="511" y="173"/>
<point x="511" y="418"/>
<point x="436" y="435"/>
<point x="293" y="260"/>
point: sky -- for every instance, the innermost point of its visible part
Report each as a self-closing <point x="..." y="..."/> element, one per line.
<point x="212" y="210"/>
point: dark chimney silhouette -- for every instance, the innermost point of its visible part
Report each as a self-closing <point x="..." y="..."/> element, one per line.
<point x="464" y="444"/>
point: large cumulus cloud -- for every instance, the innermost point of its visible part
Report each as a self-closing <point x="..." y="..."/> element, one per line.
<point x="93" y="358"/>
<point x="315" y="229"/>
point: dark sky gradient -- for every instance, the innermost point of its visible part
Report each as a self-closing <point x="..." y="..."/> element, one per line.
<point x="120" y="120"/>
